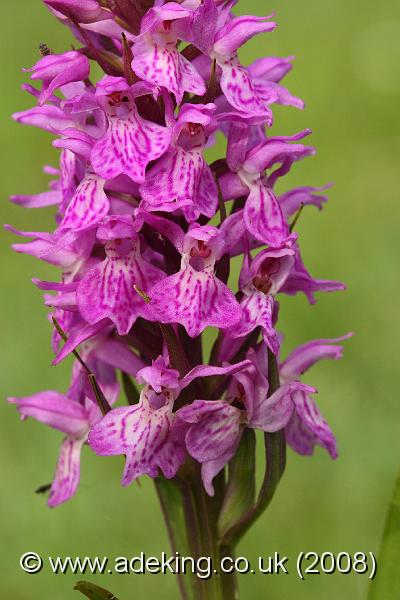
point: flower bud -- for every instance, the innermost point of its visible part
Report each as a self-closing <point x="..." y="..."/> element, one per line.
<point x="56" y="70"/>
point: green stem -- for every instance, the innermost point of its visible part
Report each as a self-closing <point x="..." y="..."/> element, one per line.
<point x="191" y="519"/>
<point x="229" y="584"/>
<point x="175" y="513"/>
<point x="211" y="587"/>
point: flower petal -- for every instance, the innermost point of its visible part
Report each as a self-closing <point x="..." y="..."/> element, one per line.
<point x="238" y="89"/>
<point x="277" y="150"/>
<point x="158" y="375"/>
<point x="67" y="473"/>
<point x="215" y="429"/>
<point x="271" y="68"/>
<point x="204" y="25"/>
<point x="84" y="11"/>
<point x="170" y="457"/>
<point x="300" y="280"/>
<point x="257" y="309"/>
<point x="50" y="118"/>
<point x="166" y="228"/>
<point x="49" y="198"/>
<point x="78" y="333"/>
<point x="272" y="413"/>
<point x="239" y="30"/>
<point x="305" y="356"/>
<point x="57" y="70"/>
<point x="270" y="92"/>
<point x="292" y="201"/>
<point x="116" y="354"/>
<point x="307" y="427"/>
<point x="181" y="179"/>
<point x="211" y="468"/>
<point x="210" y="370"/>
<point x="263" y="216"/>
<point x="166" y="67"/>
<point x="115" y="433"/>
<point x="140" y="432"/>
<point x="196" y="300"/>
<point x="55" y="410"/>
<point x="107" y="291"/>
<point x="89" y="205"/>
<point x="128" y="146"/>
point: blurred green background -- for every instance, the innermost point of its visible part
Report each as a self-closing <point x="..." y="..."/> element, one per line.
<point x="347" y="70"/>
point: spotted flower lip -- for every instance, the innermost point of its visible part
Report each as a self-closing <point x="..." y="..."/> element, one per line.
<point x="155" y="56"/>
<point x="182" y="179"/>
<point x="130" y="141"/>
<point x="107" y="290"/>
<point x="89" y="205"/>
<point x="195" y="297"/>
<point x="141" y="433"/>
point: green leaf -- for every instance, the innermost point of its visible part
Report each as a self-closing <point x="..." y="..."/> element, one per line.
<point x="94" y="592"/>
<point x="171" y="497"/>
<point x="240" y="491"/>
<point x="130" y="389"/>
<point x="387" y="581"/>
